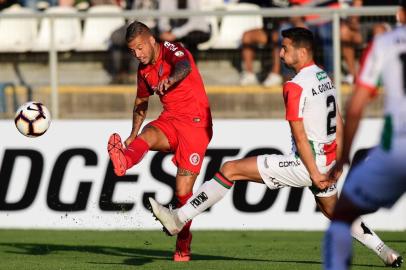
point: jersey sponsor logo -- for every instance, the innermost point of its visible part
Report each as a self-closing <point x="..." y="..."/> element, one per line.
<point x="179" y="54"/>
<point x="170" y="46"/>
<point x="201" y="198"/>
<point x="194" y="159"/>
<point x="289" y="163"/>
<point x="321" y="75"/>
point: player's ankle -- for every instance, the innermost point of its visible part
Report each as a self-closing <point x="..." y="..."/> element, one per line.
<point x="135" y="152"/>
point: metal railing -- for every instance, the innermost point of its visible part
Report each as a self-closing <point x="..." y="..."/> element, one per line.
<point x="328" y="13"/>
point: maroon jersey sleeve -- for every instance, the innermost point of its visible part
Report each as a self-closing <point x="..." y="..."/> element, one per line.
<point x="142" y="87"/>
<point x="174" y="53"/>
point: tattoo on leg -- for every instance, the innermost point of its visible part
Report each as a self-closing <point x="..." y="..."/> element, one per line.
<point x="184" y="172"/>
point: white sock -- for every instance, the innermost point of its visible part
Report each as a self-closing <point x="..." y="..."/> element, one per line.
<point x="337" y="246"/>
<point x="207" y="195"/>
<point x="366" y="236"/>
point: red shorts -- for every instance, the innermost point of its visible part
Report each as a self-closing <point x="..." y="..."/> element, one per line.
<point x="188" y="143"/>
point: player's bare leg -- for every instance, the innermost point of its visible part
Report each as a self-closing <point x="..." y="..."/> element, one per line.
<point x="151" y="138"/>
<point x="346" y="217"/>
<point x="208" y="194"/>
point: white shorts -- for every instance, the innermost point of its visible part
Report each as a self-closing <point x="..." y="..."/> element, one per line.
<point x="379" y="180"/>
<point x="278" y="171"/>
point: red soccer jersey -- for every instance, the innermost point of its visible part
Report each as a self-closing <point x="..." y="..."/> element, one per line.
<point x="185" y="100"/>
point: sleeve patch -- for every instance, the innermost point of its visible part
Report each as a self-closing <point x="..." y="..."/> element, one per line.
<point x="179" y="54"/>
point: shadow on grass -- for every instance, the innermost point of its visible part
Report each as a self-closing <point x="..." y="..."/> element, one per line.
<point x="139" y="256"/>
<point x="135" y="256"/>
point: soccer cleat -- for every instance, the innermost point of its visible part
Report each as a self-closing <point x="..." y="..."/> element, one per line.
<point x="182" y="252"/>
<point x="116" y="153"/>
<point x="391" y="257"/>
<point x="168" y="218"/>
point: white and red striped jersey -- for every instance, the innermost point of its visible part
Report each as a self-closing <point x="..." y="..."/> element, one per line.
<point x="385" y="62"/>
<point x="311" y="97"/>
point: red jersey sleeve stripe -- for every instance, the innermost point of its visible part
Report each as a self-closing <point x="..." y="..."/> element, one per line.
<point x="291" y="94"/>
<point x="373" y="90"/>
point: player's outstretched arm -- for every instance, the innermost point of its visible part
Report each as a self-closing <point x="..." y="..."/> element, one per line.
<point x="139" y="114"/>
<point x="180" y="71"/>
<point x="306" y="154"/>
<point x="354" y="111"/>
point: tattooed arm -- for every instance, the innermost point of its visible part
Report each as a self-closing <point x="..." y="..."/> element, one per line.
<point x="139" y="114"/>
<point x="181" y="70"/>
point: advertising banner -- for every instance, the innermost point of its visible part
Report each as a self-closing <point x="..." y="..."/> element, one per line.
<point x="64" y="180"/>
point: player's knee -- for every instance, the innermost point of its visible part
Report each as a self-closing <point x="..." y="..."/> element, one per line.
<point x="345" y="210"/>
<point x="229" y="170"/>
<point x="247" y="38"/>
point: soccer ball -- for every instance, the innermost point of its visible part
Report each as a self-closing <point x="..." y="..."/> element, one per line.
<point x="32" y="119"/>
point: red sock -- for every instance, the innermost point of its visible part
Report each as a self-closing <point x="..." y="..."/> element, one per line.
<point x="135" y="152"/>
<point x="182" y="199"/>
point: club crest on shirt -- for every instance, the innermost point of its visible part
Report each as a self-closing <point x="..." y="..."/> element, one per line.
<point x="194" y="159"/>
<point x="179" y="54"/>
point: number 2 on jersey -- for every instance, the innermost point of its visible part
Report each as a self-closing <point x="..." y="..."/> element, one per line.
<point x="331" y="102"/>
<point x="403" y="59"/>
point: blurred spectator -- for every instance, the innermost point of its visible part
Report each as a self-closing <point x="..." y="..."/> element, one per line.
<point x="120" y="3"/>
<point x="370" y="26"/>
<point x="7" y="3"/>
<point x="322" y="29"/>
<point x="189" y="31"/>
<point x="351" y="39"/>
<point x="121" y="65"/>
<point x="267" y="38"/>
<point x="39" y="4"/>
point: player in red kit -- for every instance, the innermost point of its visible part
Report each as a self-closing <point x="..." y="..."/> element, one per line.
<point x="184" y="126"/>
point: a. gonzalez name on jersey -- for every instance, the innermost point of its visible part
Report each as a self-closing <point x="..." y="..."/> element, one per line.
<point x="323" y="87"/>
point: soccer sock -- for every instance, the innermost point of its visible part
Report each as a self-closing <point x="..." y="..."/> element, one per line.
<point x="366" y="236"/>
<point x="135" y="152"/>
<point x="337" y="246"/>
<point x="182" y="200"/>
<point x="207" y="195"/>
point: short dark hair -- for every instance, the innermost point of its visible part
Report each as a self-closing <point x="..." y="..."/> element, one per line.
<point x="135" y="29"/>
<point x="402" y="3"/>
<point x="301" y="37"/>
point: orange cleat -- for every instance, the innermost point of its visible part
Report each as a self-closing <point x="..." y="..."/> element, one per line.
<point x="182" y="252"/>
<point x="116" y="153"/>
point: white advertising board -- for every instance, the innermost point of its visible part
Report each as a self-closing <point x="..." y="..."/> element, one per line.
<point x="62" y="180"/>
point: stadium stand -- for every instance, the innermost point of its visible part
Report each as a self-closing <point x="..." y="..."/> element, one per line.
<point x="84" y="70"/>
<point x="233" y="26"/>
<point x="97" y="31"/>
<point x="67" y="31"/>
<point x="16" y="35"/>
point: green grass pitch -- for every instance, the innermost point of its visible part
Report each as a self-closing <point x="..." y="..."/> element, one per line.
<point x="44" y="249"/>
